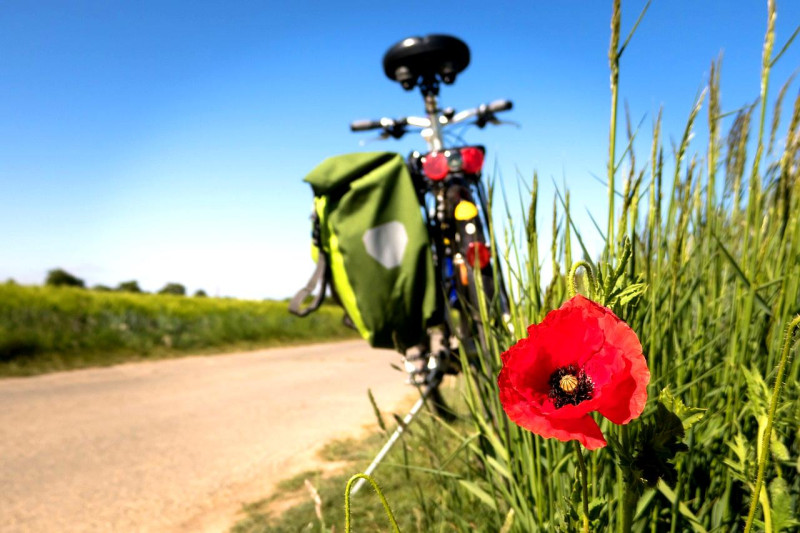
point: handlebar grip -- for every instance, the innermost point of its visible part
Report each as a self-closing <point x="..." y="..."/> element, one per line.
<point x="364" y="125"/>
<point x="500" y="105"/>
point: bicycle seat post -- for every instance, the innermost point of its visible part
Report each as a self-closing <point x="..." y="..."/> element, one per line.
<point x="430" y="90"/>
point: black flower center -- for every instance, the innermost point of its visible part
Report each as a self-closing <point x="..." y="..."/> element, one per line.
<point x="570" y="386"/>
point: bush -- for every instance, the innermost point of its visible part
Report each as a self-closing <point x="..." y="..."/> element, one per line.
<point x="173" y="288"/>
<point x="129" y="286"/>
<point x="61" y="278"/>
<point x="200" y="293"/>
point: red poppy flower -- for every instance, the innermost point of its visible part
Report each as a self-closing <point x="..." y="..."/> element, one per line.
<point x="580" y="359"/>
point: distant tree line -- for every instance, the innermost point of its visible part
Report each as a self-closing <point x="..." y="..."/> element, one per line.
<point x="59" y="277"/>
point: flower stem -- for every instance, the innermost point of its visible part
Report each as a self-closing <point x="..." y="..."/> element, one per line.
<point x="773" y="406"/>
<point x="628" y="507"/>
<point x="629" y="496"/>
<point x="584" y="487"/>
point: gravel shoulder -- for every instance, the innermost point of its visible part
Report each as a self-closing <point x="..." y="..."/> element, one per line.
<point x="178" y="445"/>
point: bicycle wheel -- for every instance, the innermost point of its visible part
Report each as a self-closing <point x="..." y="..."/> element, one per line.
<point x="476" y="286"/>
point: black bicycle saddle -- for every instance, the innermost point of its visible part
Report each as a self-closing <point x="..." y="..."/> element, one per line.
<point x="425" y="60"/>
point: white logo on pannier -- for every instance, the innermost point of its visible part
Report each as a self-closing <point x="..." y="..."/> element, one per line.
<point x="387" y="243"/>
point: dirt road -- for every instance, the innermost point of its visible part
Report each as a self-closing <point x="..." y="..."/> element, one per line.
<point x="177" y="445"/>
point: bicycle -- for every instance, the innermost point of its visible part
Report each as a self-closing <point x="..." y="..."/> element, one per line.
<point x="455" y="207"/>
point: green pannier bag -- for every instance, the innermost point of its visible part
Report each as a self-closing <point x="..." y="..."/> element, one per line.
<point x="372" y="248"/>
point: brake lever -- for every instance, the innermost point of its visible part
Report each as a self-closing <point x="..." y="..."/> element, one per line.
<point x="395" y="130"/>
<point x="498" y="122"/>
<point x="485" y="117"/>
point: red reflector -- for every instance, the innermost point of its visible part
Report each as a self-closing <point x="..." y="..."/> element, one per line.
<point x="472" y="160"/>
<point x="435" y="166"/>
<point x="483" y="254"/>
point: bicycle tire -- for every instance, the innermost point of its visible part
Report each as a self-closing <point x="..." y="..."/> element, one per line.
<point x="471" y="294"/>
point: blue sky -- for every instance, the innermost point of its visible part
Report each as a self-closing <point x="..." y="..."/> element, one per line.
<point x="167" y="141"/>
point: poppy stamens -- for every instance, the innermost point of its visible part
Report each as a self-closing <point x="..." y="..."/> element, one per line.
<point x="570" y="386"/>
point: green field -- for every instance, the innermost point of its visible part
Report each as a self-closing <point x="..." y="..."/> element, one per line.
<point x="44" y="329"/>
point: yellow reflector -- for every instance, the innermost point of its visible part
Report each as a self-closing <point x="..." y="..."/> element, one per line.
<point x="466" y="210"/>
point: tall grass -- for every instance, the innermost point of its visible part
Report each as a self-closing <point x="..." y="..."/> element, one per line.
<point x="702" y="260"/>
<point x="56" y="328"/>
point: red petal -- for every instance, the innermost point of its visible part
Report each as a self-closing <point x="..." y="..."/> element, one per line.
<point x="604" y="367"/>
<point x="585" y="430"/>
<point x="590" y="307"/>
<point x="625" y="397"/>
<point x="529" y="367"/>
<point x="570" y="335"/>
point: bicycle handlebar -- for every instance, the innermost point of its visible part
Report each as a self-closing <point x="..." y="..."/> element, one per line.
<point x="483" y="113"/>
<point x="500" y="105"/>
<point x="365" y="125"/>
